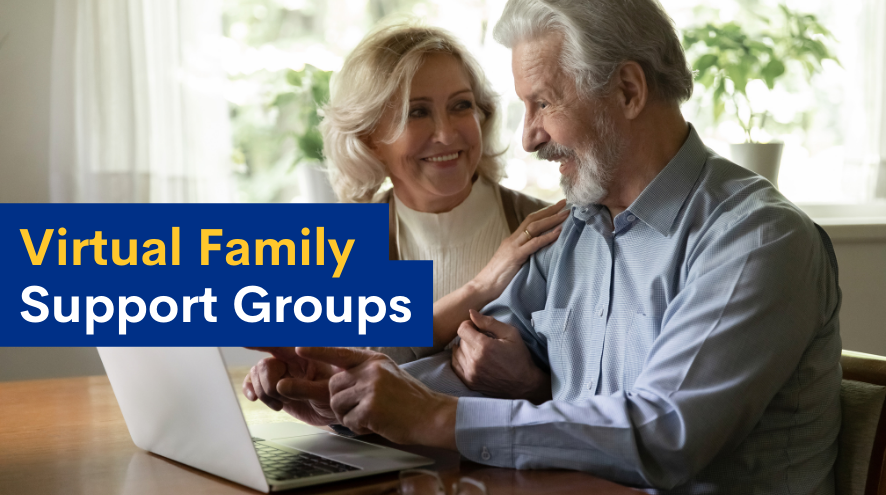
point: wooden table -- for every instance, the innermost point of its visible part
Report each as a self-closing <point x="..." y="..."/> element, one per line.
<point x="67" y="436"/>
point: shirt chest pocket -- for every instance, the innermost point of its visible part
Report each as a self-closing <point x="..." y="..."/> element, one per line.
<point x="642" y="332"/>
<point x="571" y="351"/>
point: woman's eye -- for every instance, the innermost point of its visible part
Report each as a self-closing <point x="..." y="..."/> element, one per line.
<point x="464" y="105"/>
<point x="417" y="113"/>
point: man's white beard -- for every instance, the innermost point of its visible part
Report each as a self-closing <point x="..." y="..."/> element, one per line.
<point x="594" y="164"/>
<point x="590" y="184"/>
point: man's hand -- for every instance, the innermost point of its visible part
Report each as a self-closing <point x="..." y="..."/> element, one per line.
<point x="372" y="394"/>
<point x="292" y="384"/>
<point x="492" y="358"/>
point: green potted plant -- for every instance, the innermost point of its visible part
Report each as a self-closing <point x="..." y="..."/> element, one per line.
<point x="308" y="90"/>
<point x="726" y="58"/>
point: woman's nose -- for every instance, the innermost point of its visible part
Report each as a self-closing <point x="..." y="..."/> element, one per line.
<point x="445" y="132"/>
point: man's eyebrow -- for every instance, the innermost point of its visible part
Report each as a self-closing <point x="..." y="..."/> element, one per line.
<point x="466" y="90"/>
<point x="531" y="97"/>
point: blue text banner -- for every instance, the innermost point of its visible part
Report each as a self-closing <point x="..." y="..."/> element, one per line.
<point x="208" y="275"/>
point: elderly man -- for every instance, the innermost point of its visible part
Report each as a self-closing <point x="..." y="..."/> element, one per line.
<point x="687" y="314"/>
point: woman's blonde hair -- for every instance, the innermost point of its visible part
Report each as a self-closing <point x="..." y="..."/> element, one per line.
<point x="376" y="76"/>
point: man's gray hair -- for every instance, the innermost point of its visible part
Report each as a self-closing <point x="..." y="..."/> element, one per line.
<point x="599" y="36"/>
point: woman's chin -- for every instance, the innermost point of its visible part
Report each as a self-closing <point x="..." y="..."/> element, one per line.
<point x="453" y="174"/>
<point x="450" y="187"/>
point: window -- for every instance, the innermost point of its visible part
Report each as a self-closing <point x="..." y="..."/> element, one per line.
<point x="831" y="125"/>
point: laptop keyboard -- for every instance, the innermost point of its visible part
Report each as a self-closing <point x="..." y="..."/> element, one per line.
<point x="283" y="465"/>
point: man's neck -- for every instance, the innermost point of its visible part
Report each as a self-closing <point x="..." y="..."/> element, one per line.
<point x="652" y="142"/>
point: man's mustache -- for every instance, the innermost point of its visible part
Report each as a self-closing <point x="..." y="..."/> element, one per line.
<point x="554" y="152"/>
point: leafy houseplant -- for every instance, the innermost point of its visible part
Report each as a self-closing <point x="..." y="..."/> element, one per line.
<point x="308" y="89"/>
<point x="727" y="58"/>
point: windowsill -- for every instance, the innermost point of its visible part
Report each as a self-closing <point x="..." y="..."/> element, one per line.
<point x="850" y="223"/>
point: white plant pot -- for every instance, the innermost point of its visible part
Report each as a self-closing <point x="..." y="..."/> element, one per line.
<point x="313" y="184"/>
<point x="761" y="158"/>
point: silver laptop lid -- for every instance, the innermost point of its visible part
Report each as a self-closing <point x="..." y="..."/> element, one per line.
<point x="178" y="402"/>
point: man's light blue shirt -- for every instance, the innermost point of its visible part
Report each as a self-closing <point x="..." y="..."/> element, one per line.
<point x="693" y="342"/>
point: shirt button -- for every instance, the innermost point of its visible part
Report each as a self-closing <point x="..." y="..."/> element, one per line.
<point x="485" y="455"/>
<point x="600" y="313"/>
<point x="631" y="218"/>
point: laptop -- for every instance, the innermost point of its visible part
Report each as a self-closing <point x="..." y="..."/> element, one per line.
<point x="178" y="402"/>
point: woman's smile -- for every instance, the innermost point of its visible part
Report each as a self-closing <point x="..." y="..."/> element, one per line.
<point x="433" y="161"/>
<point x="444" y="161"/>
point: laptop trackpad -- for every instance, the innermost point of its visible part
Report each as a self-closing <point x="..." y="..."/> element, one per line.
<point x="275" y="431"/>
<point x="349" y="451"/>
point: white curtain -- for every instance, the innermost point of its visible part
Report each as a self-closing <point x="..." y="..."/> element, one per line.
<point x="864" y="58"/>
<point x="137" y="108"/>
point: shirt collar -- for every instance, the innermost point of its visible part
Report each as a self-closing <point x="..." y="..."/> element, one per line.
<point x="661" y="200"/>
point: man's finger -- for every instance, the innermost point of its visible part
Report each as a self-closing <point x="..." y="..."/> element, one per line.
<point x="301" y="389"/>
<point x="256" y="383"/>
<point x="342" y="357"/>
<point x="341" y="381"/>
<point x="470" y="348"/>
<point x="270" y="370"/>
<point x="260" y="392"/>
<point x="355" y="419"/>
<point x="248" y="390"/>
<point x="457" y="357"/>
<point x="491" y="325"/>
<point x="469" y="333"/>
<point x="342" y="402"/>
<point x="283" y="353"/>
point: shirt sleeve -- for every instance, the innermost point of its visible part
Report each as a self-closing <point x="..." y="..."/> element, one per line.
<point x="525" y="294"/>
<point x="399" y="355"/>
<point x="754" y="300"/>
<point x="436" y="373"/>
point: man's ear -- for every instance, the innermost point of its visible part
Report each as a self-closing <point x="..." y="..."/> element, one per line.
<point x="631" y="89"/>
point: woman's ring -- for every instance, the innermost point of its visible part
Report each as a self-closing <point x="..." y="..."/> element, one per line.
<point x="526" y="231"/>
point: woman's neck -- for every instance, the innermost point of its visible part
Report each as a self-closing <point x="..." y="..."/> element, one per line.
<point x="431" y="204"/>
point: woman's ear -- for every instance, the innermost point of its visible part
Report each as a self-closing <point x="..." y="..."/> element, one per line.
<point x="371" y="144"/>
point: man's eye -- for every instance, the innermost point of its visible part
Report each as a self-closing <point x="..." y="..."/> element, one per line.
<point x="542" y="105"/>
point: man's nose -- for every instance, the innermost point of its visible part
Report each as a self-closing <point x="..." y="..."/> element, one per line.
<point x="534" y="134"/>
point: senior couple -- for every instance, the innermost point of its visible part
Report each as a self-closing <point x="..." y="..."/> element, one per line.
<point x="676" y="329"/>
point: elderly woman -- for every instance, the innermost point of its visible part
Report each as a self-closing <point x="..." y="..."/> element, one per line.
<point x="412" y="105"/>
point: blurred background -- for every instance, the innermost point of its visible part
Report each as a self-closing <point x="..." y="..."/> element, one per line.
<point x="216" y="101"/>
<point x="264" y="40"/>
